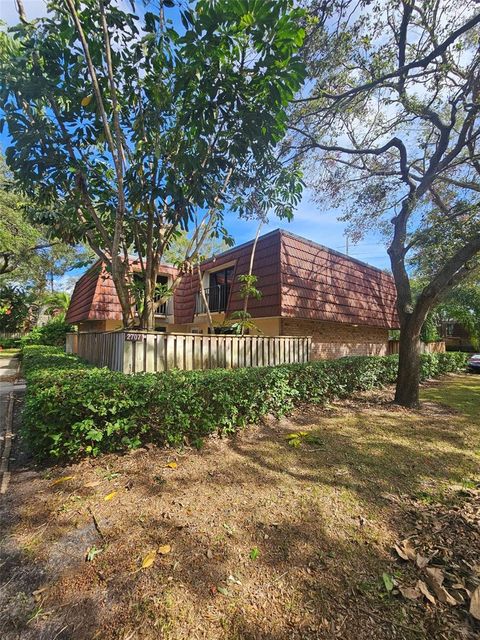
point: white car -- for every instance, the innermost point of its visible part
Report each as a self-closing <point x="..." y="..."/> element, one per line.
<point x="474" y="362"/>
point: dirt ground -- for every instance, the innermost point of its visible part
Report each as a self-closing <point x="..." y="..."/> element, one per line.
<point x="262" y="536"/>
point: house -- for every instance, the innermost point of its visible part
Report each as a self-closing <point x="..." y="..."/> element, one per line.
<point x="347" y="306"/>
<point x="455" y="336"/>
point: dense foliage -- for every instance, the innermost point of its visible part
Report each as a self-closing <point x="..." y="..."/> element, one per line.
<point x="51" y="334"/>
<point x="28" y="256"/>
<point x="389" y="131"/>
<point x="128" y="126"/>
<point x="73" y="408"/>
<point x="14" y="308"/>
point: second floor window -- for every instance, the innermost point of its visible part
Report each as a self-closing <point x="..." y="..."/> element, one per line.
<point x="219" y="285"/>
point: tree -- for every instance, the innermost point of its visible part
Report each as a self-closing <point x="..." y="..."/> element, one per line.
<point x="19" y="240"/>
<point x="14" y="308"/>
<point x="56" y="304"/>
<point x="180" y="242"/>
<point x="243" y="319"/>
<point x="28" y="257"/>
<point x="463" y="306"/>
<point x="126" y="131"/>
<point x="390" y="132"/>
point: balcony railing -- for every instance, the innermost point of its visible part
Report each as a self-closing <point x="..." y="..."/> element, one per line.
<point x="165" y="309"/>
<point x="217" y="298"/>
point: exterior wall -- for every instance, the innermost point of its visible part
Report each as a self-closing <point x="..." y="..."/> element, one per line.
<point x="92" y="325"/>
<point x="266" y="326"/>
<point x="112" y="325"/>
<point x="335" y="340"/>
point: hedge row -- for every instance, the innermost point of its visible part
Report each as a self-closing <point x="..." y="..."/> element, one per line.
<point x="73" y="408"/>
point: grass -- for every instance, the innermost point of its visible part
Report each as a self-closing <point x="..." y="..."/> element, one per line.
<point x="268" y="540"/>
<point x="9" y="353"/>
<point x="461" y="394"/>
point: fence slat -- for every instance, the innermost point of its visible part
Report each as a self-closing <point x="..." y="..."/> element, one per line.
<point x="141" y="351"/>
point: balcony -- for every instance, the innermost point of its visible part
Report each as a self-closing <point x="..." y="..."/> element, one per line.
<point x="217" y="298"/>
<point x="165" y="309"/>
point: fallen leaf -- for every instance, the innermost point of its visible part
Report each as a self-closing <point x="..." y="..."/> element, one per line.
<point x="223" y="591"/>
<point x="421" y="561"/>
<point x="411" y="593"/>
<point x="234" y="580"/>
<point x="209" y="554"/>
<point x="424" y="589"/>
<point x="149" y="559"/>
<point x="90" y="485"/>
<point x="111" y="495"/>
<point x="38" y="593"/>
<point x="475" y="604"/>
<point x="172" y="465"/>
<point x="60" y="480"/>
<point x="435" y="579"/>
<point x="164" y="549"/>
<point x="86" y="101"/>
<point x="254" y="553"/>
<point x="405" y="550"/>
<point x="91" y="553"/>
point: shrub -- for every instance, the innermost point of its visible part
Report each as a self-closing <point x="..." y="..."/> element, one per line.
<point x="51" y="334"/>
<point x="9" y="343"/>
<point x="14" y="308"/>
<point x="73" y="408"/>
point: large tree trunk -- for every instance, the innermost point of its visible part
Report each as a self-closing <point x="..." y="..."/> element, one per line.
<point x="147" y="318"/>
<point x="408" y="380"/>
<point x="119" y="279"/>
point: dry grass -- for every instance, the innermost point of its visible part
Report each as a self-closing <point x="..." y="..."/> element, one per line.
<point x="322" y="516"/>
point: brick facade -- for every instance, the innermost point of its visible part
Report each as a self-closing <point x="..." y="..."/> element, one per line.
<point x="334" y="340"/>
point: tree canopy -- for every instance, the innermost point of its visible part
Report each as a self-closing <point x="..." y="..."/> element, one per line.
<point x="126" y="129"/>
<point x="28" y="256"/>
<point x="389" y="131"/>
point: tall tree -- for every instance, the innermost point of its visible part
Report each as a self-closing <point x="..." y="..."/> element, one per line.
<point x="389" y="131"/>
<point x="28" y="256"/>
<point x="125" y="130"/>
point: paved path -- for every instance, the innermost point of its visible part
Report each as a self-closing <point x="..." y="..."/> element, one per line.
<point x="8" y="369"/>
<point x="11" y="391"/>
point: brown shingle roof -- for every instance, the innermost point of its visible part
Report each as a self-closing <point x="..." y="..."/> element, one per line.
<point x="322" y="284"/>
<point x="298" y="279"/>
<point x="95" y="298"/>
<point x="265" y="267"/>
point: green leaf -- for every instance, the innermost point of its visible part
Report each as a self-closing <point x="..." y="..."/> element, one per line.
<point x="388" y="582"/>
<point x="254" y="553"/>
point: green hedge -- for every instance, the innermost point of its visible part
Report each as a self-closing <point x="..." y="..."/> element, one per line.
<point x="73" y="408"/>
<point x="52" y="334"/>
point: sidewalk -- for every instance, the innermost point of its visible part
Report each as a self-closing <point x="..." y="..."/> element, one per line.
<point x="11" y="390"/>
<point x="8" y="369"/>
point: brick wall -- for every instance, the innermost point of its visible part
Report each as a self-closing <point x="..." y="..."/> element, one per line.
<point x="334" y="340"/>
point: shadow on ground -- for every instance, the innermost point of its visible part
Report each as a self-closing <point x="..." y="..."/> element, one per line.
<point x="268" y="541"/>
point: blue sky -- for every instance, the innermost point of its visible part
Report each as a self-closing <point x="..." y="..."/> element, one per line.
<point x="310" y="221"/>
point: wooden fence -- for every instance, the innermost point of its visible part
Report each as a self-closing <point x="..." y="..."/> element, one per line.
<point x="425" y="347"/>
<point x="13" y="336"/>
<point x="136" y="352"/>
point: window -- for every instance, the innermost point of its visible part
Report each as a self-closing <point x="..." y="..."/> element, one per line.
<point x="218" y="292"/>
<point x="163" y="309"/>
